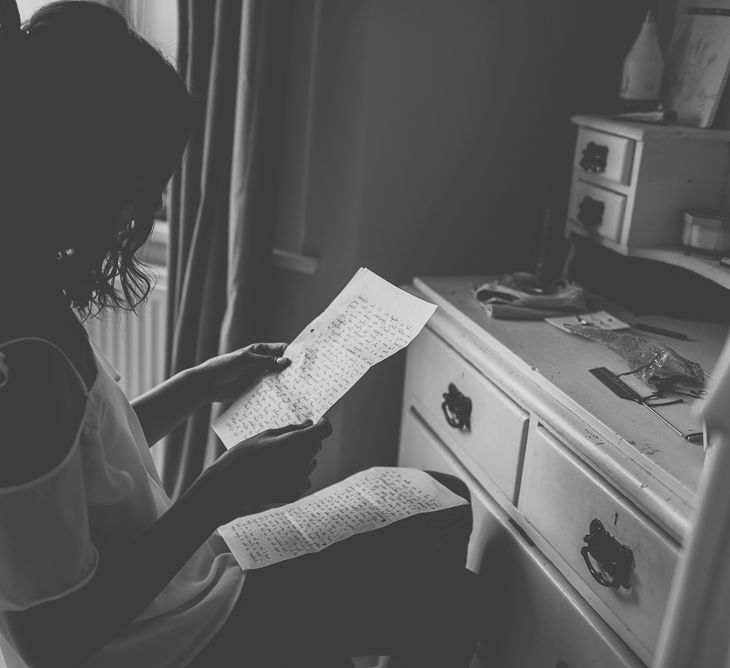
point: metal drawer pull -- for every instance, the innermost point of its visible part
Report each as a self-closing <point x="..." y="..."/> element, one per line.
<point x="594" y="158"/>
<point x="590" y="211"/>
<point x="615" y="560"/>
<point x="457" y="408"/>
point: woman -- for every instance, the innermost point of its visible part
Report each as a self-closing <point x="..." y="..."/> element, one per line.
<point x="97" y="566"/>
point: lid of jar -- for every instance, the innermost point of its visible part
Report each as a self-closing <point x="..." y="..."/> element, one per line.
<point x="707" y="219"/>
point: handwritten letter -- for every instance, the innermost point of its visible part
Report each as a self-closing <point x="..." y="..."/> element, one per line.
<point x="366" y="323"/>
<point x="363" y="502"/>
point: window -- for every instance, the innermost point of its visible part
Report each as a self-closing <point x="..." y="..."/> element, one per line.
<point x="157" y="22"/>
<point x="27" y="7"/>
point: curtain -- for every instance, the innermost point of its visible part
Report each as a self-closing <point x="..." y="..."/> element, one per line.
<point x="122" y="6"/>
<point x="232" y="56"/>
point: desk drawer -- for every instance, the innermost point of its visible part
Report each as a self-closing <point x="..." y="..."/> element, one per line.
<point x="602" y="154"/>
<point x="530" y="615"/>
<point x="468" y="412"/>
<point x="565" y="501"/>
<point x="598" y="210"/>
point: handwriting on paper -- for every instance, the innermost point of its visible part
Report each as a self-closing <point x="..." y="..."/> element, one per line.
<point x="363" y="502"/>
<point x="366" y="323"/>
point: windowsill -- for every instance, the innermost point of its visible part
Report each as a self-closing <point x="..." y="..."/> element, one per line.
<point x="296" y="262"/>
<point x="154" y="252"/>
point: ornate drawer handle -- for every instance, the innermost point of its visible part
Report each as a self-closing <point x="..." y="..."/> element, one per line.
<point x="614" y="559"/>
<point x="457" y="408"/>
<point x="594" y="158"/>
<point x="590" y="211"/>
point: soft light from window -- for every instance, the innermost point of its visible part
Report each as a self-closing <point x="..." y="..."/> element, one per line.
<point x="27" y="7"/>
<point x="156" y="21"/>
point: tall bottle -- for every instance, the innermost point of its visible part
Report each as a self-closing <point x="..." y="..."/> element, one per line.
<point x="643" y="69"/>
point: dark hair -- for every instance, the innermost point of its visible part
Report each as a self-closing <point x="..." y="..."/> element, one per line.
<point x="92" y="118"/>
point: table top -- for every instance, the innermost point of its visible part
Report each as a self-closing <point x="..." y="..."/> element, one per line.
<point x="559" y="364"/>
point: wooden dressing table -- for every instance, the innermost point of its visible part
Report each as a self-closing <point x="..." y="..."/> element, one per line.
<point x="561" y="471"/>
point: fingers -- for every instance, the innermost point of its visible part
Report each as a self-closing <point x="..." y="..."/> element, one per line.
<point x="268" y="356"/>
<point x="299" y="446"/>
<point x="311" y="467"/>
<point x="303" y="486"/>
<point x="262" y="356"/>
<point x="280" y="431"/>
<point x="264" y="362"/>
<point x="269" y="349"/>
<point x="304" y="450"/>
<point x="324" y="426"/>
<point x="321" y="430"/>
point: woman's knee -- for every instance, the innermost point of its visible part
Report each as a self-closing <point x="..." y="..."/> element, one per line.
<point x="452" y="482"/>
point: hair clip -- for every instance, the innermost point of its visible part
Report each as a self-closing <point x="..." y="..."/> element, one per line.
<point x="4" y="371"/>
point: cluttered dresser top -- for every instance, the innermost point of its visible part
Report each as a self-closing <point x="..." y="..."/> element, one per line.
<point x="652" y="464"/>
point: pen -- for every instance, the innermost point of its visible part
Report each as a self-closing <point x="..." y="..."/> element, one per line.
<point x="660" y="330"/>
<point x="651" y="117"/>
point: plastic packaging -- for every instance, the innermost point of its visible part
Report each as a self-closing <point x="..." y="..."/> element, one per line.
<point x="654" y="363"/>
<point x="524" y="290"/>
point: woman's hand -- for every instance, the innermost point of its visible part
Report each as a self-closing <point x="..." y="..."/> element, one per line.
<point x="271" y="467"/>
<point x="225" y="377"/>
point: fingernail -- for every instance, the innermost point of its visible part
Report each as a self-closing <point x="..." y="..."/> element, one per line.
<point x="282" y="361"/>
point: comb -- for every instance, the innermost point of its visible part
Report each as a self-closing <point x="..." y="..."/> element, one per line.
<point x="616" y="385"/>
<point x="624" y="391"/>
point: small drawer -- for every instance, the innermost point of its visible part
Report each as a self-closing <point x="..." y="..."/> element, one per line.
<point x="598" y="210"/>
<point x="623" y="559"/>
<point x="474" y="418"/>
<point x="602" y="154"/>
<point x="527" y="598"/>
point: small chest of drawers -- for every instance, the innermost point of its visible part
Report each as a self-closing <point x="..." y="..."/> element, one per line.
<point x="632" y="182"/>
<point x="577" y="527"/>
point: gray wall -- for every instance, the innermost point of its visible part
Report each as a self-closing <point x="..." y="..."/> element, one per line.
<point x="439" y="135"/>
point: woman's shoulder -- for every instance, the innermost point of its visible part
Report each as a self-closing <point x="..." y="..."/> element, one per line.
<point x="42" y="400"/>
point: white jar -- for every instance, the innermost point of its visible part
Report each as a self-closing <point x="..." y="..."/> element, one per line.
<point x="644" y="65"/>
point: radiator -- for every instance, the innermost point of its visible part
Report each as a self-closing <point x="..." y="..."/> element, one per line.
<point x="135" y="342"/>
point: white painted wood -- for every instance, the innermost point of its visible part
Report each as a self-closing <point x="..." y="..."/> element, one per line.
<point x="607" y="458"/>
<point x="532" y="616"/>
<point x="546" y="371"/>
<point x="560" y="497"/>
<point x="619" y="154"/>
<point x="596" y="448"/>
<point x="612" y="218"/>
<point x="496" y="440"/>
<point x="695" y="629"/>
<point x="697" y="264"/>
<point x="674" y="176"/>
<point x="672" y="169"/>
<point x="641" y="131"/>
<point x="297" y="262"/>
